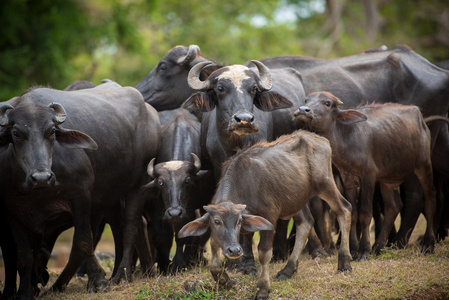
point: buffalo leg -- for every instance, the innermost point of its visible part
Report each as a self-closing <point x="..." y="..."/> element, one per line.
<point x="392" y="207"/>
<point x="265" y="250"/>
<point x="342" y="208"/>
<point x="365" y="216"/>
<point x="425" y="176"/>
<point x="303" y="222"/>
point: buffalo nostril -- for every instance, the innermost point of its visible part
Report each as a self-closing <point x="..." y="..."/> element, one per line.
<point x="234" y="251"/>
<point x="244" y="118"/>
<point x="174" y="213"/>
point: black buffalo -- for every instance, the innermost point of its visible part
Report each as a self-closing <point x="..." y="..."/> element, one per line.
<point x="69" y="158"/>
<point x="166" y="87"/>
<point x="182" y="187"/>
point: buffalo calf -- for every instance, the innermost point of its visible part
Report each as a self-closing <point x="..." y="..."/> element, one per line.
<point x="264" y="183"/>
<point x="377" y="143"/>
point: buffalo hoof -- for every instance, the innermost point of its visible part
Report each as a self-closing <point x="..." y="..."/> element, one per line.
<point x="281" y="276"/>
<point x="319" y="252"/>
<point x="427" y="245"/>
<point x="247" y="270"/>
<point x="97" y="285"/>
<point x="344" y="263"/>
<point x="261" y="294"/>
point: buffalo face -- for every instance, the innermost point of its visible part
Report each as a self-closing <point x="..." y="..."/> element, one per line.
<point x="225" y="221"/>
<point x="175" y="180"/>
<point x="32" y="130"/>
<point x="321" y="110"/>
<point x="168" y="79"/>
<point x="234" y="91"/>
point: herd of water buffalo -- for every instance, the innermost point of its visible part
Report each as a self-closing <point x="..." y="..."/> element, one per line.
<point x="205" y="151"/>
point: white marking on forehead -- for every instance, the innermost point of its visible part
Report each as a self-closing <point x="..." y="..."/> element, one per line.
<point x="173" y="165"/>
<point x="236" y="74"/>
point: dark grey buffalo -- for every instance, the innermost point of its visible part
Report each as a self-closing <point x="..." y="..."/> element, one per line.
<point x="182" y="187"/>
<point x="382" y="143"/>
<point x="166" y="87"/>
<point x="69" y="158"/>
<point x="262" y="184"/>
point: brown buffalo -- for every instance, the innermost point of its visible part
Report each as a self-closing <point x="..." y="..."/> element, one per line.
<point x="381" y="143"/>
<point x="264" y="183"/>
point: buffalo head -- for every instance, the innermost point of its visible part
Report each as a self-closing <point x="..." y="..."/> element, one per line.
<point x="165" y="87"/>
<point x="234" y="91"/>
<point x="32" y="130"/>
<point x="225" y="221"/>
<point x="174" y="180"/>
<point x="322" y="109"/>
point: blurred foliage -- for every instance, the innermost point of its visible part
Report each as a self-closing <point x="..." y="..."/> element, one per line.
<point x="55" y="42"/>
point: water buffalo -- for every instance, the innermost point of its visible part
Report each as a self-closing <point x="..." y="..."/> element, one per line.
<point x="396" y="75"/>
<point x="182" y="186"/>
<point x="240" y="107"/>
<point x="165" y="87"/>
<point x="69" y="158"/>
<point x="381" y="143"/>
<point x="263" y="183"/>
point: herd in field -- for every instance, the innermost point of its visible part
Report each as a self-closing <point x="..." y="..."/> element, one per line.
<point x="200" y="151"/>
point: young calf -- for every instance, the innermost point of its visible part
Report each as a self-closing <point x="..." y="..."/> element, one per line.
<point x="264" y="183"/>
<point x="381" y="143"/>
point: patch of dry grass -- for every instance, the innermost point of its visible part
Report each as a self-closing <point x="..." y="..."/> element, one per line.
<point x="395" y="274"/>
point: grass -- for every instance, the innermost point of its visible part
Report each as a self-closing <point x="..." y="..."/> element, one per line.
<point x="394" y="274"/>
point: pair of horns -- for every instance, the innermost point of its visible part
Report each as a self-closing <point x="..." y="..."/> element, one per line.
<point x="196" y="163"/>
<point x="195" y="83"/>
<point x="60" y="114"/>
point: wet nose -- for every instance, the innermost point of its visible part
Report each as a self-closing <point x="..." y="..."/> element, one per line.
<point x="174" y="212"/>
<point x="244" y="118"/>
<point x="41" y="179"/>
<point x="234" y="251"/>
<point x="303" y="110"/>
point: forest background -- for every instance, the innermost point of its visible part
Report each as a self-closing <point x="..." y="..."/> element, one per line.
<point x="55" y="42"/>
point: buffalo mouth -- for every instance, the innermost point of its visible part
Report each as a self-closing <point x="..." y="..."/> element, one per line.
<point x="246" y="129"/>
<point x="303" y="116"/>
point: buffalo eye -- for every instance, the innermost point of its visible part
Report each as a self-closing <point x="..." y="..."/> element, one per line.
<point x="220" y="89"/>
<point x="254" y="89"/>
<point x="163" y="67"/>
<point x="327" y="103"/>
<point x="217" y="222"/>
<point x="16" y="134"/>
<point x="160" y="183"/>
<point x="53" y="132"/>
<point x="188" y="180"/>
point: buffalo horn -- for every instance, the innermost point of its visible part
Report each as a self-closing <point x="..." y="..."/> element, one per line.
<point x="194" y="77"/>
<point x="191" y="55"/>
<point x="3" y="115"/>
<point x="150" y="168"/>
<point x="264" y="75"/>
<point x="60" y="114"/>
<point x="197" y="163"/>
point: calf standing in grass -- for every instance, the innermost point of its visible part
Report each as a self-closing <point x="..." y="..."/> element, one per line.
<point x="381" y="143"/>
<point x="264" y="183"/>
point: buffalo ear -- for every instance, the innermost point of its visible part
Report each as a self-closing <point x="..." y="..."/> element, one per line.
<point x="255" y="223"/>
<point x="75" y="139"/>
<point x="269" y="101"/>
<point x="195" y="228"/>
<point x="350" y="116"/>
<point x="199" y="102"/>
